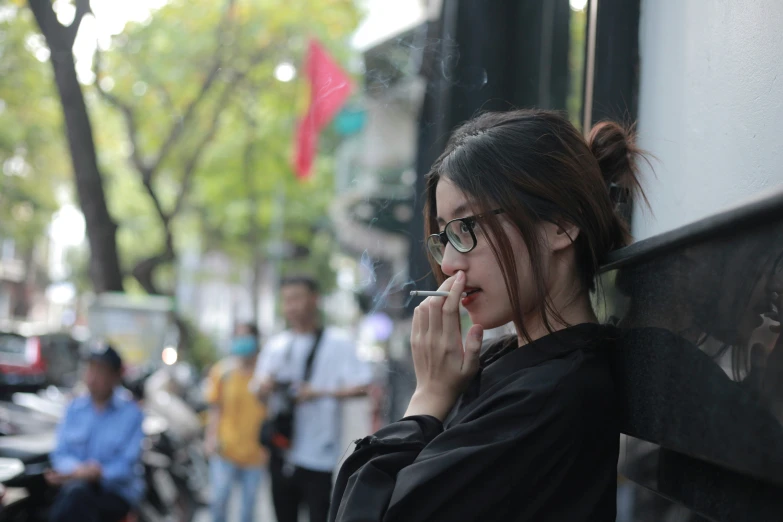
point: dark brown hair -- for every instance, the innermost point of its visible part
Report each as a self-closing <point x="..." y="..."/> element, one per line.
<point x="251" y="328"/>
<point x="537" y="167"/>
<point x="305" y="280"/>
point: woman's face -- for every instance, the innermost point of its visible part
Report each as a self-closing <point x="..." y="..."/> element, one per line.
<point x="488" y="302"/>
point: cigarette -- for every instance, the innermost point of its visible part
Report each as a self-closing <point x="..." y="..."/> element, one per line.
<point x="427" y="293"/>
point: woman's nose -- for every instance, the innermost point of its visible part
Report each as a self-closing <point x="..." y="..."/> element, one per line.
<point x="453" y="261"/>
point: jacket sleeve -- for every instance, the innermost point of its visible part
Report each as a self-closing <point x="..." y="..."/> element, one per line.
<point x="414" y="471"/>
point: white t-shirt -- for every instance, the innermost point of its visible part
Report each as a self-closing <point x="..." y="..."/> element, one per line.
<point x="316" y="441"/>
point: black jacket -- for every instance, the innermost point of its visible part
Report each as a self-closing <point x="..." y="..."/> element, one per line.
<point x="535" y="438"/>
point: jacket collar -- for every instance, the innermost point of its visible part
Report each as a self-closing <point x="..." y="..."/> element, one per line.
<point x="511" y="358"/>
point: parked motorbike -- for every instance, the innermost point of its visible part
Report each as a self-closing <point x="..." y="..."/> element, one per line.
<point x="9" y="469"/>
<point x="169" y="496"/>
<point x="28" y="495"/>
<point x="181" y="441"/>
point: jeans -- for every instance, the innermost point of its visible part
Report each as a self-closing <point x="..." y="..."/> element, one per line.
<point x="223" y="475"/>
<point x="85" y="502"/>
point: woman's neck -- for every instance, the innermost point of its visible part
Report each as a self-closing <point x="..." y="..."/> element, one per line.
<point x="570" y="308"/>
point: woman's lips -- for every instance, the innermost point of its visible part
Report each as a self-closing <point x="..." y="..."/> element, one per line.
<point x="471" y="295"/>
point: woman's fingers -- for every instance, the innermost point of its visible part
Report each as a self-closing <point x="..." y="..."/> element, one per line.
<point x="472" y="355"/>
<point x="420" y="320"/>
<point x="435" y="314"/>
<point x="418" y="335"/>
<point x="451" y="322"/>
<point x="435" y="305"/>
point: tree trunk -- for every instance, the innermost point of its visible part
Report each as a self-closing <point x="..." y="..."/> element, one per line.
<point x="105" y="271"/>
<point x="144" y="271"/>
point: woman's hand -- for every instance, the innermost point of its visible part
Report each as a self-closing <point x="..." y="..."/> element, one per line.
<point x="443" y="366"/>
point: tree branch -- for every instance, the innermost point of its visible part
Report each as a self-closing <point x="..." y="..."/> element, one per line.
<point x="82" y="9"/>
<point x="135" y="158"/>
<point x="144" y="271"/>
<point x="167" y="99"/>
<point x="192" y="162"/>
<point x="180" y="123"/>
<point x="128" y="117"/>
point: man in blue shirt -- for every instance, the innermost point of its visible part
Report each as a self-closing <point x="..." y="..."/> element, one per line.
<point x="97" y="461"/>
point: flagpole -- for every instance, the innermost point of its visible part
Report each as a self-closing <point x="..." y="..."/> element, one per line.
<point x="278" y="234"/>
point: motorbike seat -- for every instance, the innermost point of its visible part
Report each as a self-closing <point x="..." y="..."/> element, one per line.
<point x="28" y="448"/>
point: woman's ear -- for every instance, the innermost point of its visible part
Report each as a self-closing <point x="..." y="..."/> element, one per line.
<point x="560" y="235"/>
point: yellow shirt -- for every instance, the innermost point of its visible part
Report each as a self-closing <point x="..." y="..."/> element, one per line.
<point x="241" y="413"/>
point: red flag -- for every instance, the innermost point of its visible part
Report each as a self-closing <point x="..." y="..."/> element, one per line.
<point x="330" y="87"/>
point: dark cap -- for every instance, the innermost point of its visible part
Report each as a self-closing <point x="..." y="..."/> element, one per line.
<point x="104" y="353"/>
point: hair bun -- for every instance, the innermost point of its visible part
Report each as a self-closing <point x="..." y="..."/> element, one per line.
<point x="615" y="149"/>
<point x="614" y="146"/>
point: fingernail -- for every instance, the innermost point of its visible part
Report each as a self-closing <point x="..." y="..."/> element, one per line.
<point x="460" y="276"/>
<point x="479" y="332"/>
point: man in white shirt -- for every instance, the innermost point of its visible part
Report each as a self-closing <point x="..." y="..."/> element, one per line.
<point x="303" y="474"/>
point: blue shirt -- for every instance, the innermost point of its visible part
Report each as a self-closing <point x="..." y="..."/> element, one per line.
<point x="111" y="437"/>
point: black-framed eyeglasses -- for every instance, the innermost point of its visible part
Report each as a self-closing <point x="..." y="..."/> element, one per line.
<point x="459" y="232"/>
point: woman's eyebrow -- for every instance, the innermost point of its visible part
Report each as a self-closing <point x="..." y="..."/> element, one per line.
<point x="457" y="212"/>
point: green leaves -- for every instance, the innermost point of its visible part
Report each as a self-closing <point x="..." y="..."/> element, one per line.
<point x="193" y="133"/>
<point x="33" y="154"/>
<point x="199" y="82"/>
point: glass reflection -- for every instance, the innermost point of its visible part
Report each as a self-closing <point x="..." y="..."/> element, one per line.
<point x="700" y="360"/>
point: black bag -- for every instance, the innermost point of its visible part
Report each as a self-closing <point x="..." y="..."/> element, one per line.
<point x="277" y="431"/>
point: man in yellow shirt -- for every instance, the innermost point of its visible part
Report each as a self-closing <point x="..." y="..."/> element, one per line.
<point x="234" y="422"/>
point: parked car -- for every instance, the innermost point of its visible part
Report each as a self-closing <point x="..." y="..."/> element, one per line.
<point x="62" y="356"/>
<point x="32" y="363"/>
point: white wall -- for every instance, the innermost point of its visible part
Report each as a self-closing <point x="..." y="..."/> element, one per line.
<point x="710" y="105"/>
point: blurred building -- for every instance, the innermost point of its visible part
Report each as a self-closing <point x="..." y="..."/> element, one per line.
<point x="24" y="279"/>
<point x="13" y="274"/>
<point x="374" y="205"/>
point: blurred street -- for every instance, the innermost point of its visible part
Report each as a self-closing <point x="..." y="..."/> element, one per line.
<point x="264" y="509"/>
<point x="356" y="424"/>
<point x="158" y="191"/>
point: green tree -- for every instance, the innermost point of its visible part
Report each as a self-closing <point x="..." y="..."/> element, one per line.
<point x="193" y="135"/>
<point x="105" y="269"/>
<point x="208" y="129"/>
<point x="32" y="152"/>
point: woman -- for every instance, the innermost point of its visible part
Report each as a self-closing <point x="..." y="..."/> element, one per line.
<point x="520" y="210"/>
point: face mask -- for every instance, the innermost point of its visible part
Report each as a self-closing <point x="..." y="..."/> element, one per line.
<point x="244" y="346"/>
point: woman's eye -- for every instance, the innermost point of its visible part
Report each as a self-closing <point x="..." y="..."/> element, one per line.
<point x="466" y="227"/>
